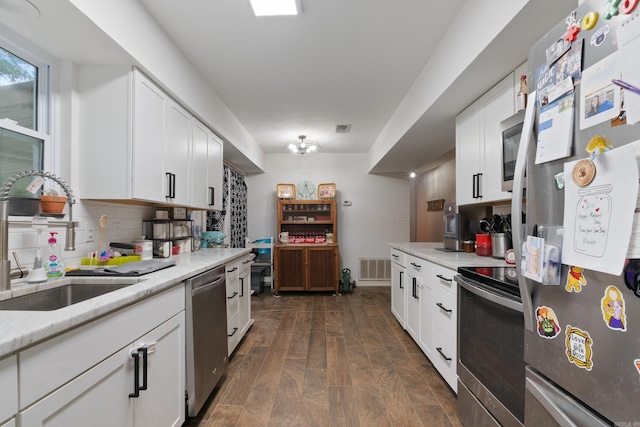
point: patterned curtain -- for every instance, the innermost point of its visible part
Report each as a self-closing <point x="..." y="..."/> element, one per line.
<point x="234" y="201"/>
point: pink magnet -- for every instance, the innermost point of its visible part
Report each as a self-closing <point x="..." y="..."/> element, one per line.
<point x="572" y="33"/>
<point x="627" y="6"/>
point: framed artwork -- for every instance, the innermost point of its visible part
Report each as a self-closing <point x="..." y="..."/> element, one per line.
<point x="286" y="191"/>
<point x="326" y="191"/>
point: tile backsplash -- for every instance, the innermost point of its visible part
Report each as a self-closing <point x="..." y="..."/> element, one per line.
<point x="125" y="225"/>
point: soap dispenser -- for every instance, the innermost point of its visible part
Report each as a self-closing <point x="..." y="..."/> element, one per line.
<point x="53" y="264"/>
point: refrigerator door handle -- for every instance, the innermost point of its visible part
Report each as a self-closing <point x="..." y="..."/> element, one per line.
<point x="516" y="210"/>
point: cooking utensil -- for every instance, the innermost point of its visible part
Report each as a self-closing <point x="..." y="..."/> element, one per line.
<point x="485" y="226"/>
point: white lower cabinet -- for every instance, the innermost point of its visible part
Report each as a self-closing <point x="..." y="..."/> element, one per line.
<point x="425" y="332"/>
<point x="10" y="423"/>
<point x="62" y="385"/>
<point x="9" y="387"/>
<point x="398" y="286"/>
<point x="431" y="313"/>
<point x="238" y="300"/>
<point x="244" y="299"/>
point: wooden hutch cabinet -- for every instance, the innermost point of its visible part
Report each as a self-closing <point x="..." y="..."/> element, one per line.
<point x="307" y="263"/>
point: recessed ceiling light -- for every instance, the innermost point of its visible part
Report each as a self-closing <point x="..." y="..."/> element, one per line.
<point x="275" y="7"/>
<point x="20" y="7"/>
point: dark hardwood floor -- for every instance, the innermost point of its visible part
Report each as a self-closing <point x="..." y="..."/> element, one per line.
<point x="323" y="360"/>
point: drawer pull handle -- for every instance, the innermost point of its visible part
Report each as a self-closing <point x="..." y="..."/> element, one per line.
<point x="448" y="359"/>
<point x="442" y="307"/>
<point x="233" y="296"/>
<point x="416" y="265"/>
<point x="233" y="333"/>
<point x="395" y="256"/>
<point x="440" y="276"/>
<point x="232" y="270"/>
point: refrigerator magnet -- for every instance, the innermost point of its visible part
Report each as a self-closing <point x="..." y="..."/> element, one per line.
<point x="637" y="364"/>
<point x="583" y="172"/>
<point x="578" y="345"/>
<point x="613" y="309"/>
<point x="575" y="279"/>
<point x="548" y="326"/>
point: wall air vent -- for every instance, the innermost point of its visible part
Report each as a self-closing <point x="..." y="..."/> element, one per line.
<point x="374" y="269"/>
<point x="342" y="128"/>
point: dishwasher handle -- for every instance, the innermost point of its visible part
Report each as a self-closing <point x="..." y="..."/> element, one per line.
<point x="208" y="286"/>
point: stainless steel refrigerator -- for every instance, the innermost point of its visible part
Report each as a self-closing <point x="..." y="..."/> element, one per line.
<point x="583" y="365"/>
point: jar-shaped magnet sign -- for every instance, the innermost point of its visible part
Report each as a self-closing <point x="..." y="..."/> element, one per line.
<point x="592" y="220"/>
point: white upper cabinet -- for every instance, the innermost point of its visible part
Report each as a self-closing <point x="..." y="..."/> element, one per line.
<point x="136" y="143"/>
<point x="206" y="168"/>
<point x="479" y="146"/>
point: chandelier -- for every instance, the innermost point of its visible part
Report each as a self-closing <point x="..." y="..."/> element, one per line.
<point x="302" y="147"/>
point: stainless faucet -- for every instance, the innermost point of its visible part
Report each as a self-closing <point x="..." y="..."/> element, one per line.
<point x="70" y="240"/>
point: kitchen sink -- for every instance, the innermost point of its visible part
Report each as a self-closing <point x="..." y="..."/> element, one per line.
<point x="61" y="296"/>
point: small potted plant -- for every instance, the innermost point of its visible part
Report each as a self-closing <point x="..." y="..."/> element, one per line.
<point x="51" y="202"/>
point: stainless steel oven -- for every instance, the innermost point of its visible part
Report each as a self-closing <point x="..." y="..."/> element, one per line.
<point x="491" y="368"/>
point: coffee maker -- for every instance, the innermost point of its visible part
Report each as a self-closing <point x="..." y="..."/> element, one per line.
<point x="452" y="228"/>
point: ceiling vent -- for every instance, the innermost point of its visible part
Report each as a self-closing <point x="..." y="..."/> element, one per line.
<point x="342" y="129"/>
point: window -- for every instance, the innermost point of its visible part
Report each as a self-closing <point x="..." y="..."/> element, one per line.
<point x="24" y="101"/>
<point x="18" y="90"/>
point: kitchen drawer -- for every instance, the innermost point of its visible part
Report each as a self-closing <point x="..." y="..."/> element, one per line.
<point x="233" y="333"/>
<point x="444" y="358"/>
<point x="418" y="267"/>
<point x="233" y="296"/>
<point x="9" y="387"/>
<point x="233" y="270"/>
<point x="244" y="264"/>
<point x="398" y="257"/>
<point x="445" y="312"/>
<point x="443" y="277"/>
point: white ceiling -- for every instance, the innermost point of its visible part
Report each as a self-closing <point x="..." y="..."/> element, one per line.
<point x="339" y="62"/>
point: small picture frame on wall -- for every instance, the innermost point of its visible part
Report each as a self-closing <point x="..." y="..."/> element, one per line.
<point x="286" y="191"/>
<point x="326" y="191"/>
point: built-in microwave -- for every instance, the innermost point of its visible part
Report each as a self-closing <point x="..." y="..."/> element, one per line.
<point x="510" y="131"/>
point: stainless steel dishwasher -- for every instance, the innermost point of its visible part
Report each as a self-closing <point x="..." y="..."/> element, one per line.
<point x="206" y="341"/>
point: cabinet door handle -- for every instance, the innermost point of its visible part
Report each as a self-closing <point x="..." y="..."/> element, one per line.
<point x="241" y="286"/>
<point x="443" y="308"/>
<point x="440" y="276"/>
<point x="168" y="175"/>
<point x="233" y="296"/>
<point x="212" y="192"/>
<point x="473" y="186"/>
<point x="141" y="351"/>
<point x="144" y="352"/>
<point x="234" y="332"/>
<point x="448" y="359"/>
<point x="479" y="187"/>
<point x="401" y="287"/>
<point x="172" y="185"/>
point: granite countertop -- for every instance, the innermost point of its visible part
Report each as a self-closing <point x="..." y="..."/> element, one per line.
<point x="21" y="329"/>
<point x="452" y="260"/>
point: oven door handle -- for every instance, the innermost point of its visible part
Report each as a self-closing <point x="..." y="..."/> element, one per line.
<point x="490" y="296"/>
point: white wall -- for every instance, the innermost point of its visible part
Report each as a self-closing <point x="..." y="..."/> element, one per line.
<point x="364" y="228"/>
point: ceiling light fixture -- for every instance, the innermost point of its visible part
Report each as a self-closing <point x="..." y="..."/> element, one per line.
<point x="275" y="7"/>
<point x="302" y="147"/>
